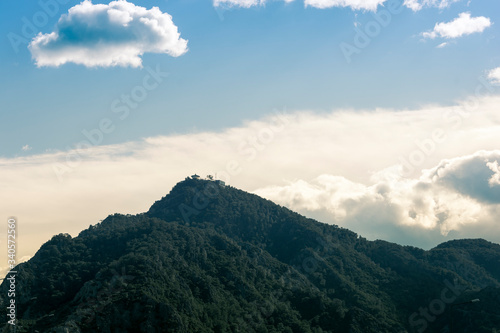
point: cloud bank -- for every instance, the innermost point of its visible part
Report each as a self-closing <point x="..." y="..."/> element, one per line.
<point x="370" y="5"/>
<point x="116" y="34"/>
<point x="463" y="25"/>
<point x="416" y="177"/>
<point x="320" y="4"/>
<point x="457" y="193"/>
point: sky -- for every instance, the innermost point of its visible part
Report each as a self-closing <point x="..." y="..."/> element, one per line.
<point x="380" y="116"/>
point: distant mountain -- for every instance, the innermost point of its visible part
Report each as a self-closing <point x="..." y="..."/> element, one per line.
<point x="212" y="258"/>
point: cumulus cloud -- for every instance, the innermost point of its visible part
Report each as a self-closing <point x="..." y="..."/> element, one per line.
<point x="456" y="192"/>
<point x="494" y="181"/>
<point x="114" y="34"/>
<point x="463" y="25"/>
<point x="494" y="76"/>
<point x="26" y="148"/>
<point x="474" y="176"/>
<point x="417" y="5"/>
<point x="342" y="167"/>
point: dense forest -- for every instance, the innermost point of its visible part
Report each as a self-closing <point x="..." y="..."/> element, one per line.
<point x="212" y="258"/>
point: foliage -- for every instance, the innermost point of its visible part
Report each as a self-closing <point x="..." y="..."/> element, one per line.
<point x="216" y="259"/>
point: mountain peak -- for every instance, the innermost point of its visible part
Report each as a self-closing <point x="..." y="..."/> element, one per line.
<point x="190" y="197"/>
<point x="207" y="255"/>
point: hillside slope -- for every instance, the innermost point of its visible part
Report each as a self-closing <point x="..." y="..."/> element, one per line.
<point x="207" y="258"/>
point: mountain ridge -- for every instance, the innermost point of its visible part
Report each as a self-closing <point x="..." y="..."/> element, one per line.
<point x="292" y="273"/>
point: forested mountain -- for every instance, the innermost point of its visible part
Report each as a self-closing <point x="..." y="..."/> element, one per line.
<point x="212" y="258"/>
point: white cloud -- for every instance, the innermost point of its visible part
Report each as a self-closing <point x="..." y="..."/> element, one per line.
<point x="457" y="192"/>
<point x="114" y="34"/>
<point x="239" y="3"/>
<point x="26" y="148"/>
<point x="340" y="167"/>
<point x="463" y="25"/>
<point x="417" y="5"/>
<point x="440" y="46"/>
<point x="494" y="181"/>
<point x="473" y="176"/>
<point x="242" y="3"/>
<point x="354" y="4"/>
<point x="371" y="5"/>
<point x="321" y="4"/>
<point x="494" y="76"/>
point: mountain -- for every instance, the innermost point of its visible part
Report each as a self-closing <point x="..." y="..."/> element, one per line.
<point x="212" y="258"/>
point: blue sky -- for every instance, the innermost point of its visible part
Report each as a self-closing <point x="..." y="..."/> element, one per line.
<point x="242" y="63"/>
<point x="389" y="128"/>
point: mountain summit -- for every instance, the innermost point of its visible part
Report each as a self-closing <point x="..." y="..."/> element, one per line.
<point x="211" y="258"/>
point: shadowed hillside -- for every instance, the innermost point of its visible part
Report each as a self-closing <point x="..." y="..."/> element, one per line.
<point x="209" y="258"/>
